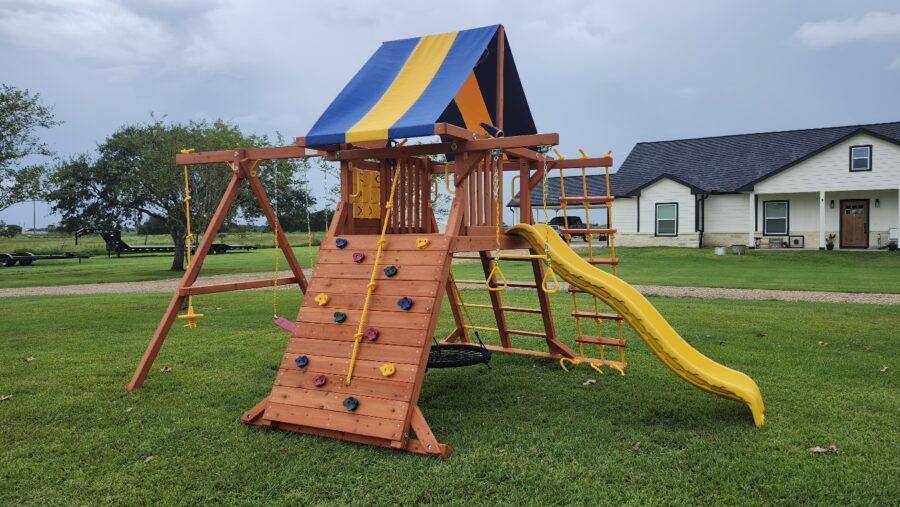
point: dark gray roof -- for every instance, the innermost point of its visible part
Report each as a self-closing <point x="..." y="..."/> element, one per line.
<point x="596" y="186"/>
<point x="711" y="165"/>
<point x="733" y="163"/>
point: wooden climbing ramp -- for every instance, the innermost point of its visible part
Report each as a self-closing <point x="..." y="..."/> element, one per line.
<point x="379" y="406"/>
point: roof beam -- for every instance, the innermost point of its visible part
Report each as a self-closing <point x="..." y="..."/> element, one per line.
<point x="502" y="143"/>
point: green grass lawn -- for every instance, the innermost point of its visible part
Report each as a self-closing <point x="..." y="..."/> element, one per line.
<point x="135" y="268"/>
<point x="799" y="270"/>
<point x="759" y="269"/>
<point x="523" y="432"/>
<point x="94" y="244"/>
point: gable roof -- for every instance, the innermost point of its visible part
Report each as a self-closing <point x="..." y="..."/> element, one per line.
<point x="408" y="85"/>
<point x="734" y="163"/>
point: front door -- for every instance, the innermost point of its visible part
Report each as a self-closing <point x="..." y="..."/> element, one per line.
<point x="855" y="223"/>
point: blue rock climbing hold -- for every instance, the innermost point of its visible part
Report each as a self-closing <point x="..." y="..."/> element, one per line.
<point x="340" y="242"/>
<point x="301" y="361"/>
<point x="390" y="271"/>
<point x="405" y="303"/>
<point x="340" y="317"/>
<point x="350" y="403"/>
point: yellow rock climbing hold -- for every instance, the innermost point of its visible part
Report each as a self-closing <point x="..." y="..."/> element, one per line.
<point x="388" y="369"/>
<point x="322" y="299"/>
<point x="422" y="243"/>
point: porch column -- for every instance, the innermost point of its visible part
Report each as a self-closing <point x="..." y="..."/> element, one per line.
<point x="821" y="220"/>
<point x="751" y="225"/>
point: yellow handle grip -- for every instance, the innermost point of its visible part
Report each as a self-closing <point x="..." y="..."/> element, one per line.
<point x="356" y="184"/>
<point x="512" y="188"/>
<point x="495" y="272"/>
<point x="549" y="274"/>
<point x="583" y="154"/>
<point x="451" y="191"/>
<point x="558" y="154"/>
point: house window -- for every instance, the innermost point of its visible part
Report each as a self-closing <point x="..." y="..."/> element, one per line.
<point x="861" y="158"/>
<point x="776" y="218"/>
<point x="667" y="219"/>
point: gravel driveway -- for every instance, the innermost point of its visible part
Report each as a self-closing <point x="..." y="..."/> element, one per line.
<point x="655" y="290"/>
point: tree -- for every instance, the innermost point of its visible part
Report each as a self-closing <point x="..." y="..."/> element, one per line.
<point x="134" y="172"/>
<point x="9" y="230"/>
<point x="21" y="115"/>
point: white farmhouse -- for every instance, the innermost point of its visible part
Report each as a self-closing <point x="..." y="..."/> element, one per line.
<point x="791" y="189"/>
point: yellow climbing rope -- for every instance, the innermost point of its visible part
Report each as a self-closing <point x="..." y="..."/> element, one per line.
<point x="370" y="288"/>
<point x="191" y="316"/>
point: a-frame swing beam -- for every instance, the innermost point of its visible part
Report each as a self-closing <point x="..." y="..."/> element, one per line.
<point x="242" y="168"/>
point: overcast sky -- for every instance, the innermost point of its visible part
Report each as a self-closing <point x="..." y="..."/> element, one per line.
<point x="603" y="74"/>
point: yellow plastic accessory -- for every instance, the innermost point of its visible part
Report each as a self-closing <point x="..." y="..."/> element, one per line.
<point x="322" y="299"/>
<point x="191" y="316"/>
<point x="388" y="369"/>
<point x="677" y="354"/>
<point x="422" y="243"/>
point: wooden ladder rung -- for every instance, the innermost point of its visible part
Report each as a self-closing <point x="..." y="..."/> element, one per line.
<point x="473" y="282"/>
<point x="522" y="285"/>
<point x="601" y="340"/>
<point x="520" y="332"/>
<point x="601" y="315"/>
<point x="589" y="231"/>
<point x="602" y="260"/>
<point x="588" y="199"/>
<point x="520" y="309"/>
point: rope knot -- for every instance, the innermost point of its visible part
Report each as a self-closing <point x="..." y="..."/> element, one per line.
<point x="371" y="286"/>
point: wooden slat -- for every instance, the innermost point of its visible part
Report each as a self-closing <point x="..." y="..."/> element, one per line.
<point x="389" y="335"/>
<point x="601" y="340"/>
<point x="363" y="369"/>
<point x="397" y="318"/>
<point x="594" y="315"/>
<point x="393" y="242"/>
<point x="357" y="286"/>
<point x="226" y="287"/>
<point x="323" y="399"/>
<point x="588" y="199"/>
<point x="520" y="309"/>
<point x="362" y="272"/>
<point x="369" y="351"/>
<point x="428" y="257"/>
<point x="347" y="422"/>
<point x="377" y="388"/>
<point x="354" y="302"/>
<point x="589" y="231"/>
<point x="521" y="332"/>
<point x="602" y="260"/>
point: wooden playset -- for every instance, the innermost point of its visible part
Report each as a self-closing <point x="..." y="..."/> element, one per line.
<point x="362" y="341"/>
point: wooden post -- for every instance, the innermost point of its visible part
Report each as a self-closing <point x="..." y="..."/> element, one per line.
<point x="501" y="57"/>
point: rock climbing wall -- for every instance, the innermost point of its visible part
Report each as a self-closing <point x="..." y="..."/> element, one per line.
<point x="310" y="393"/>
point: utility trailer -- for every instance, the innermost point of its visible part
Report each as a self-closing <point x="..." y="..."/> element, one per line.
<point x="115" y="244"/>
<point x="8" y="260"/>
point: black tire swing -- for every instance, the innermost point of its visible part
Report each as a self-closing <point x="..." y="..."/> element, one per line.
<point x="457" y="355"/>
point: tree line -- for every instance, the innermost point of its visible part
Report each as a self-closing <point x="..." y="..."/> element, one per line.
<point x="131" y="179"/>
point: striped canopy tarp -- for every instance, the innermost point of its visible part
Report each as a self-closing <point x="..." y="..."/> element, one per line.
<point x="409" y="85"/>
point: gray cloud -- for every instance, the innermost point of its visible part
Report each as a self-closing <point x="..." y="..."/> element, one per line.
<point x="604" y="74"/>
